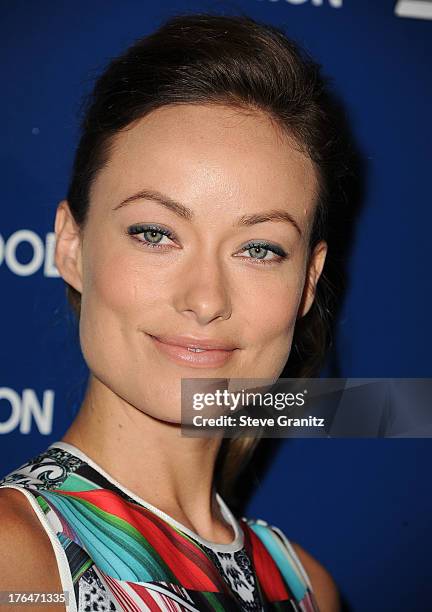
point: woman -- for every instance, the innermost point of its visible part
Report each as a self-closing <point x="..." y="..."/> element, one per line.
<point x="192" y="242"/>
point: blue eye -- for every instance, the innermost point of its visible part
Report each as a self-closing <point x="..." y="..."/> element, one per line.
<point x="153" y="234"/>
<point x="260" y="250"/>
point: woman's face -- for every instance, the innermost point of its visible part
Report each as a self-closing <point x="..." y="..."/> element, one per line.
<point x="172" y="249"/>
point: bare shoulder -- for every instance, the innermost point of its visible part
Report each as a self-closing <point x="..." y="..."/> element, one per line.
<point x="27" y="559"/>
<point x="323" y="585"/>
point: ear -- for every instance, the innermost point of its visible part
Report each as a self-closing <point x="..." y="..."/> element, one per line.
<point x="68" y="246"/>
<point x="313" y="272"/>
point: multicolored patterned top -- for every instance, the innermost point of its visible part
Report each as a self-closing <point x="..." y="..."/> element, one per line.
<point x="116" y="552"/>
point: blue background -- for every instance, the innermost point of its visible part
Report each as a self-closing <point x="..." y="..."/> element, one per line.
<point x="362" y="507"/>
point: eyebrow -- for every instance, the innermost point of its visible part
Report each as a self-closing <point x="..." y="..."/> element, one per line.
<point x="186" y="213"/>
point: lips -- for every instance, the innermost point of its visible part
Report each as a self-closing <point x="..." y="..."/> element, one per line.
<point x="198" y="343"/>
<point x="195" y="352"/>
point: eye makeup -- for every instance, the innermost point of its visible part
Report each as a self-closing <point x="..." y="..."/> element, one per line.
<point x="151" y="231"/>
<point x="266" y="246"/>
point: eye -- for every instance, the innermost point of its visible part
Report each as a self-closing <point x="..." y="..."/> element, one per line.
<point x="153" y="235"/>
<point x="259" y="251"/>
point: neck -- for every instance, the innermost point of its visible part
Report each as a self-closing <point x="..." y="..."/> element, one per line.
<point x="152" y="459"/>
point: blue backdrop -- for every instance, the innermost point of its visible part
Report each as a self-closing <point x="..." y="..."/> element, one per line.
<point x="362" y="507"/>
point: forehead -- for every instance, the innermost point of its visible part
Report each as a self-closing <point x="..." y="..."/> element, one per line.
<point x="216" y="159"/>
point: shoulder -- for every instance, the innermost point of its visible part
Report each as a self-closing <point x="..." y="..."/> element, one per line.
<point x="313" y="574"/>
<point x="27" y="559"/>
<point x="323" y="585"/>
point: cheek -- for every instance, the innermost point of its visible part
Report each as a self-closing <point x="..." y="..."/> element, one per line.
<point x="119" y="284"/>
<point x="112" y="303"/>
<point x="270" y="314"/>
<point x="277" y="327"/>
<point x="124" y="291"/>
<point x="272" y="311"/>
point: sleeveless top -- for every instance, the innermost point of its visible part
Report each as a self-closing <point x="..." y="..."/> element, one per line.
<point x="116" y="552"/>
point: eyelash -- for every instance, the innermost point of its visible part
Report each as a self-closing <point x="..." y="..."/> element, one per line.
<point x="134" y="230"/>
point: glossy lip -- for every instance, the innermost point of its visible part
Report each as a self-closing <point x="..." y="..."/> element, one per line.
<point x="216" y="353"/>
<point x="195" y="342"/>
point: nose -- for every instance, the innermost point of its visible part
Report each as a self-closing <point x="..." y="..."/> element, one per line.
<point x="203" y="292"/>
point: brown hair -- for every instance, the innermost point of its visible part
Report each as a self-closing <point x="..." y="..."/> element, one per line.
<point x="203" y="58"/>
